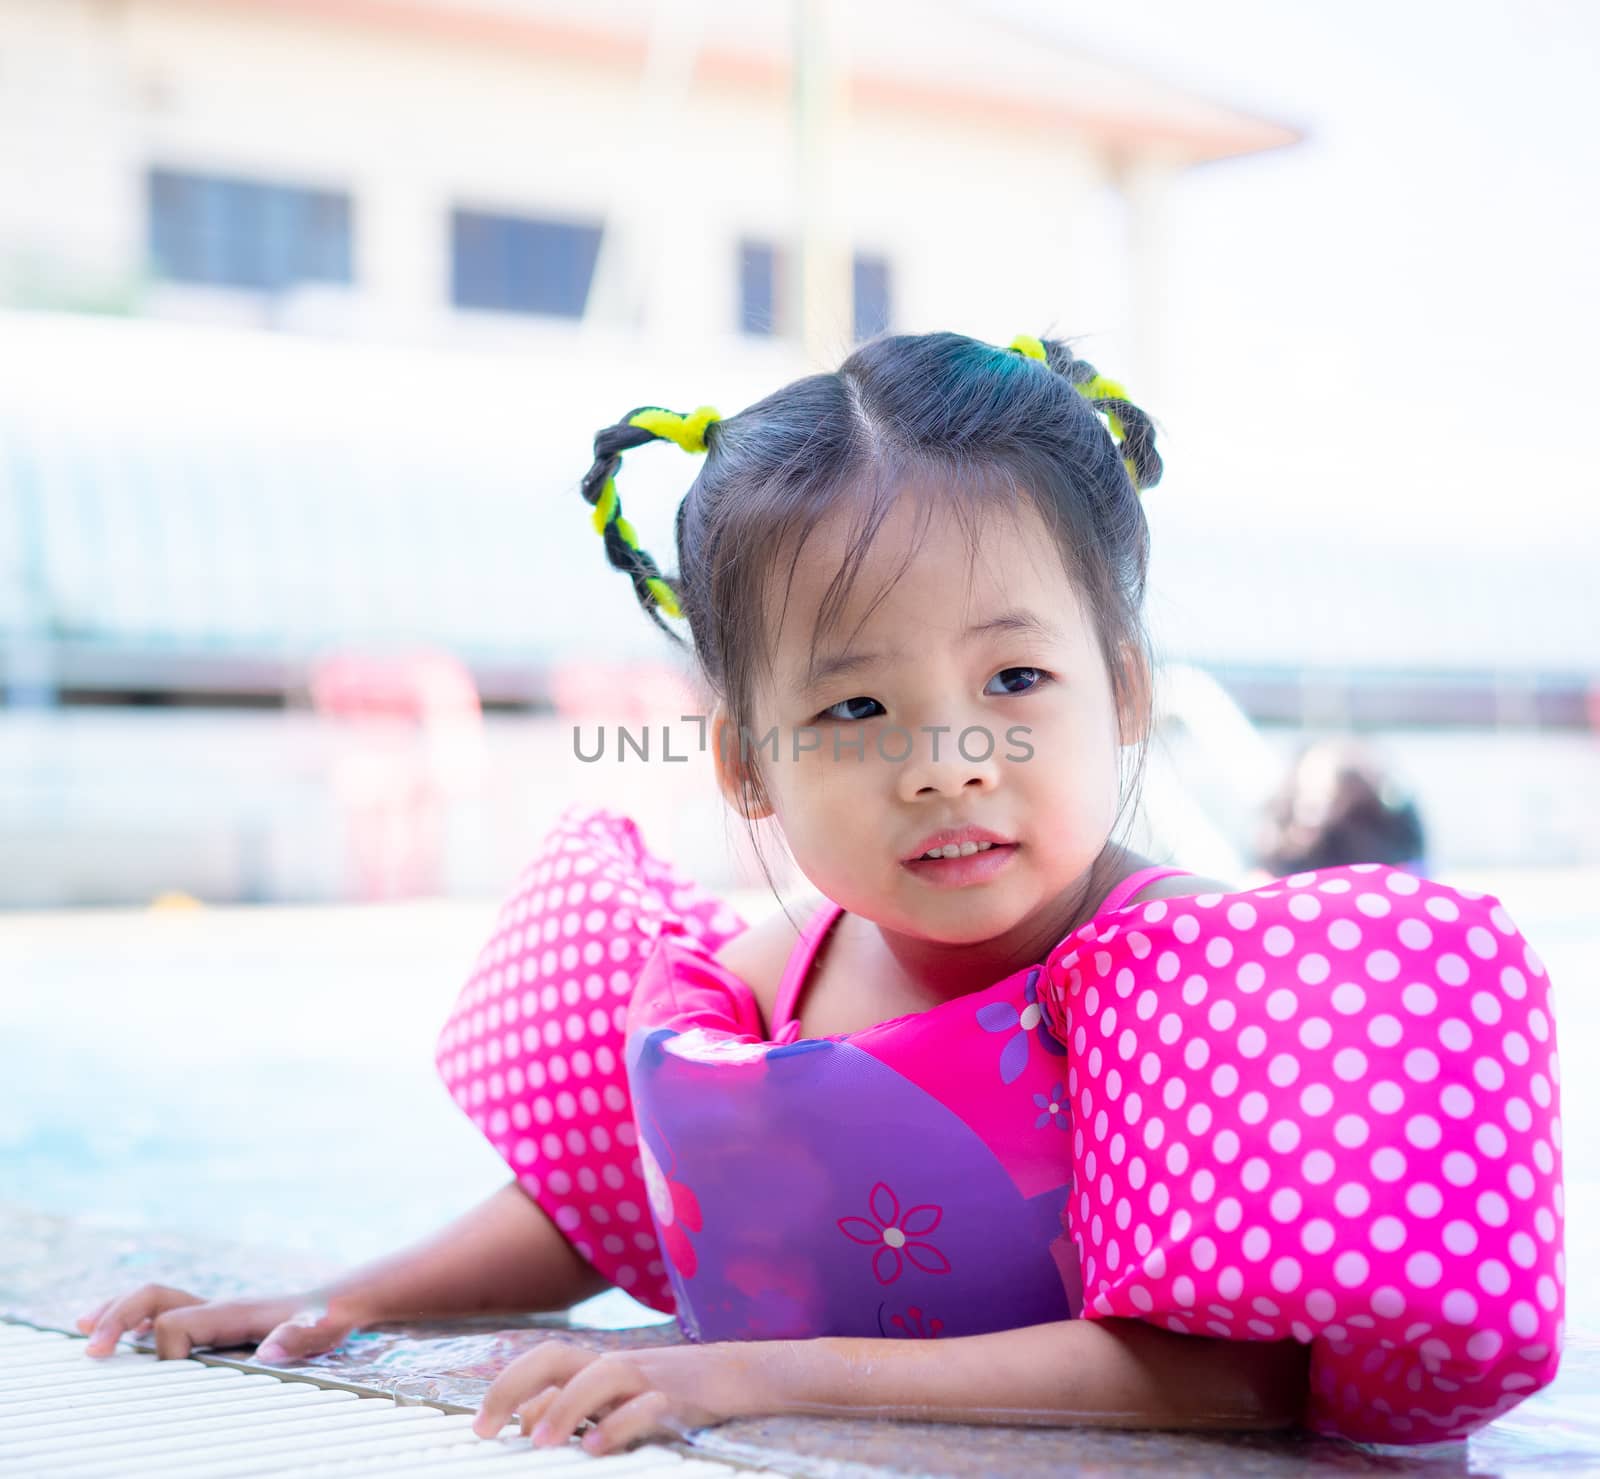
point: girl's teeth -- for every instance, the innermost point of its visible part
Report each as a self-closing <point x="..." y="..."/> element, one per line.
<point x="958" y="849"/>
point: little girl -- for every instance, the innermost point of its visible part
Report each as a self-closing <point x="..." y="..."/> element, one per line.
<point x="940" y="1106"/>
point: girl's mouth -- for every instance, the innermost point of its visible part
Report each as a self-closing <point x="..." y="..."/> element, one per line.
<point x="971" y="863"/>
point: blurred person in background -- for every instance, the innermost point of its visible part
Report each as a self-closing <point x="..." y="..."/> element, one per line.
<point x="1338" y="805"/>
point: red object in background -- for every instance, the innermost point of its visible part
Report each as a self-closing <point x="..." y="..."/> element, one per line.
<point x="411" y="743"/>
<point x="639" y="693"/>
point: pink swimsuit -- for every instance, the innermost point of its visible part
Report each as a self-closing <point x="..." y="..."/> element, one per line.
<point x="797" y="972"/>
<point x="912" y="1178"/>
<point x="1323" y="1110"/>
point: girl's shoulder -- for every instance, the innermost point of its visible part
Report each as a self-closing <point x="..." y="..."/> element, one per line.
<point x="1182" y="886"/>
<point x="760" y="955"/>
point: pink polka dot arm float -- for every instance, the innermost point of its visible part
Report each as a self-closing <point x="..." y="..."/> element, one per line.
<point x="533" y="1049"/>
<point x="1325" y="1109"/>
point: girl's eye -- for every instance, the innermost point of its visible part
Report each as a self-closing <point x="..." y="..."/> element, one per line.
<point x="1015" y="680"/>
<point x="1028" y="677"/>
<point x="832" y="711"/>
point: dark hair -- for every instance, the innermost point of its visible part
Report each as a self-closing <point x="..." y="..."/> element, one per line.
<point x="1002" y="424"/>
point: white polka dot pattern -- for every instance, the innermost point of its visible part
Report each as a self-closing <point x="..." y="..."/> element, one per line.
<point x="1357" y="1144"/>
<point x="533" y="1049"/>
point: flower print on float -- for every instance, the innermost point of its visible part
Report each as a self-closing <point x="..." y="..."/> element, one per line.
<point x="675" y="1208"/>
<point x="897" y="1237"/>
<point x="1052" y="1107"/>
<point x="1024" y="1025"/>
<point x="915" y="1323"/>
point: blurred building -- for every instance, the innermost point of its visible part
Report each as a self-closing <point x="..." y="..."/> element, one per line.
<point x="489" y="171"/>
<point x="309" y="309"/>
<point x="484" y="227"/>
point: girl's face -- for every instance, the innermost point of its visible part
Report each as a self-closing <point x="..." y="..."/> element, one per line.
<point x="962" y="695"/>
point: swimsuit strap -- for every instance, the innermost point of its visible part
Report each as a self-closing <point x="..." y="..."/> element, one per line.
<point x="799" y="966"/>
<point x="1133" y="883"/>
<point x="805" y="951"/>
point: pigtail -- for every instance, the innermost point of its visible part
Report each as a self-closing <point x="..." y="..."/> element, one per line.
<point x="655" y="592"/>
<point x="1131" y="429"/>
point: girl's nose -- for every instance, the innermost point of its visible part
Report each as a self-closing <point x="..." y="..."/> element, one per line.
<point x="947" y="763"/>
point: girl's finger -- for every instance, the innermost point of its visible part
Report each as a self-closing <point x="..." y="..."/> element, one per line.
<point x="550" y="1363"/>
<point x="593" y="1392"/>
<point x="121" y="1316"/>
<point x="179" y="1331"/>
<point x="639" y="1417"/>
<point x="107" y="1331"/>
<point x="86" y="1323"/>
<point x="300" y="1337"/>
<point x="529" y="1414"/>
<point x="175" y="1334"/>
<point x="124" y="1314"/>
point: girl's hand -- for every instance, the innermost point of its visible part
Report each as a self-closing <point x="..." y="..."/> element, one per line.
<point x="629" y="1395"/>
<point x="295" y="1326"/>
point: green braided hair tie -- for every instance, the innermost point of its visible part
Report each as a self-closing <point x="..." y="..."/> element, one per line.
<point x="648" y="423"/>
<point x="1094" y="389"/>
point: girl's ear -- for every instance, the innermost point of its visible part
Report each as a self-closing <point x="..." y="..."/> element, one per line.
<point x="1135" y="708"/>
<point x="736" y="776"/>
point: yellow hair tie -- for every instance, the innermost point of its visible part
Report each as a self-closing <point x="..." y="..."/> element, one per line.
<point x="605" y="506"/>
<point x="665" y="597"/>
<point x="689" y="432"/>
<point x="1100" y="388"/>
<point x="1097" y="388"/>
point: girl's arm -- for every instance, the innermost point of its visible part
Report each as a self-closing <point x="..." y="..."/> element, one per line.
<point x="503" y="1255"/>
<point x="1099" y="1373"/>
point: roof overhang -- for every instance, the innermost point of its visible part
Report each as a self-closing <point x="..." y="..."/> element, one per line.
<point x="905" y="60"/>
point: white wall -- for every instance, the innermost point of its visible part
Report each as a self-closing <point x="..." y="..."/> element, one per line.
<point x="991" y="230"/>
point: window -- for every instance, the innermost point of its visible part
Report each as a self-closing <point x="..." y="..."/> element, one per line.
<point x="871" y="295"/>
<point x="761" y="309"/>
<point x="522" y="264"/>
<point x="237" y="233"/>
<point x="758" y="288"/>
